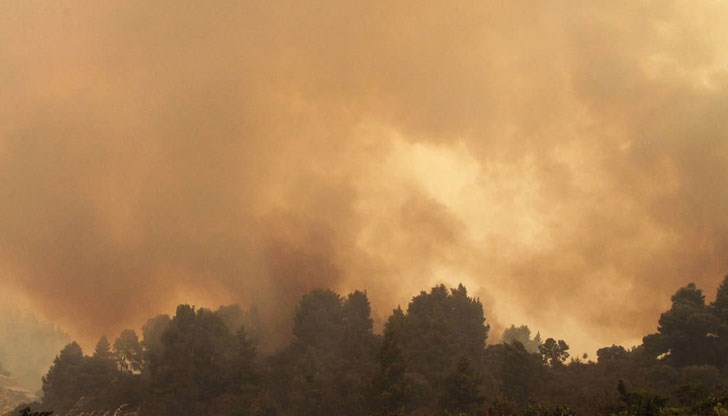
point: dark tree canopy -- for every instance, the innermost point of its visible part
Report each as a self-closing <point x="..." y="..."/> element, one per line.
<point x="686" y="332"/>
<point x="319" y="318"/>
<point x="430" y="360"/>
<point x="554" y="352"/>
<point x="128" y="352"/>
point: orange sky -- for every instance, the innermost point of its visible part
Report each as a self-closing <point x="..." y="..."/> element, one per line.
<point x="565" y="160"/>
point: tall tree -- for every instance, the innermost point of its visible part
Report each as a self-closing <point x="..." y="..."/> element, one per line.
<point x="103" y="349"/>
<point x="686" y="332"/>
<point x="151" y="343"/>
<point x="319" y="320"/>
<point x="332" y="361"/>
<point x="720" y="305"/>
<point x="128" y="352"/>
<point x="439" y="327"/>
<point x="64" y="383"/>
<point x="390" y="385"/>
<point x="357" y="323"/>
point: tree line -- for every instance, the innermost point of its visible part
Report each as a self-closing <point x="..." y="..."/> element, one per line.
<point x="430" y="359"/>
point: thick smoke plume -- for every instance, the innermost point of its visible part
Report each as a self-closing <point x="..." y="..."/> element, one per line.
<point x="564" y="160"/>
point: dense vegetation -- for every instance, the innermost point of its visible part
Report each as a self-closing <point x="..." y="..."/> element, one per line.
<point x="431" y="359"/>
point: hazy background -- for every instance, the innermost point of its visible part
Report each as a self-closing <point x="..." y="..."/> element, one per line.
<point x="565" y="160"/>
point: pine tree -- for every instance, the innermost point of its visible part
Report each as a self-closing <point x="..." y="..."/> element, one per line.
<point x="128" y="352"/>
<point x="686" y="332"/>
<point x="63" y="384"/>
<point x="103" y="349"/>
<point x="390" y="385"/>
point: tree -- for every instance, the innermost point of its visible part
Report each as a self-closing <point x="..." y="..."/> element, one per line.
<point x="128" y="352"/>
<point x="151" y="343"/>
<point x="461" y="393"/>
<point x="63" y="385"/>
<point x="686" y="332"/>
<point x="319" y="319"/>
<point x="440" y="326"/>
<point x="330" y="365"/>
<point x="519" y="372"/>
<point x="719" y="309"/>
<point x="522" y="334"/>
<point x="720" y="305"/>
<point x="390" y="385"/>
<point x="358" y="351"/>
<point x="615" y="352"/>
<point x="202" y="368"/>
<point x="103" y="349"/>
<point x="357" y="323"/>
<point x="553" y="352"/>
<point x="235" y="318"/>
<point x="245" y="371"/>
<point x="468" y="320"/>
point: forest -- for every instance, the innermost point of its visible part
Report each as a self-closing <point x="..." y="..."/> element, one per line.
<point x="431" y="358"/>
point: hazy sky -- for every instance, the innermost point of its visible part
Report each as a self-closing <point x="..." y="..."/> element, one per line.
<point x="565" y="160"/>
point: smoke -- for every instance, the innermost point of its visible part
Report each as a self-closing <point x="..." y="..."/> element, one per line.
<point x="565" y="161"/>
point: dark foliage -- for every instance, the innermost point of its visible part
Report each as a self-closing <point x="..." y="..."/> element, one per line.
<point x="431" y="359"/>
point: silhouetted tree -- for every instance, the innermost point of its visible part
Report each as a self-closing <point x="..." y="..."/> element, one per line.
<point x="103" y="349"/>
<point x="319" y="319"/>
<point x="554" y="352"/>
<point x="197" y="369"/>
<point x="615" y="352"/>
<point x="357" y="325"/>
<point x="64" y="384"/>
<point x="128" y="352"/>
<point x="686" y="333"/>
<point x="430" y="360"/>
<point x="719" y="309"/>
<point x="151" y="343"/>
<point x="390" y="384"/>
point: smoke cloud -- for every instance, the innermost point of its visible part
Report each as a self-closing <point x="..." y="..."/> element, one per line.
<point x="564" y="160"/>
